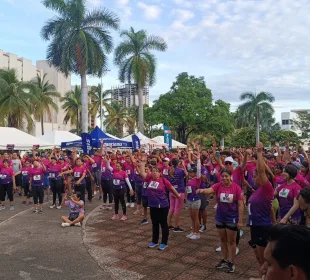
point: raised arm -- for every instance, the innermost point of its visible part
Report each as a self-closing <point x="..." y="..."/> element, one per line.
<point x="142" y="169"/>
<point x="261" y="166"/>
<point x="286" y="155"/>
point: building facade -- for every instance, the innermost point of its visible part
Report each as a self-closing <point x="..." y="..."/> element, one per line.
<point x="287" y="120"/>
<point x="26" y="72"/>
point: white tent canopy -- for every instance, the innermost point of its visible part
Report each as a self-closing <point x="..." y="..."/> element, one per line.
<point x="21" y="140"/>
<point x="175" y="144"/>
<point x="145" y="141"/>
<point x="56" y="137"/>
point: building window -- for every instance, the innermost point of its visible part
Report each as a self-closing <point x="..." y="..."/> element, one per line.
<point x="285" y="122"/>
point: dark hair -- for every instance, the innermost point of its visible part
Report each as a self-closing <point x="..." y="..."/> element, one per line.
<point x="78" y="194"/>
<point x="306" y="165"/>
<point x="292" y="246"/>
<point x="174" y="165"/>
<point x="305" y="194"/>
<point x="225" y="170"/>
<point x="291" y="170"/>
<point x="279" y="166"/>
<point x="5" y="161"/>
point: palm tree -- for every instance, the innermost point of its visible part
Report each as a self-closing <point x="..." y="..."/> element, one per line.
<point x="99" y="101"/>
<point x="46" y="95"/>
<point x="116" y="118"/>
<point x="136" y="62"/>
<point x="79" y="42"/>
<point x="16" y="100"/>
<point x="72" y="106"/>
<point x="256" y="107"/>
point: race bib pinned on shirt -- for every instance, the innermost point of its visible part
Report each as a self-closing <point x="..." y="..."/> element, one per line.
<point x="77" y="174"/>
<point x="2" y="176"/>
<point x="116" y="182"/>
<point x="284" y="193"/>
<point x="128" y="171"/>
<point x="94" y="165"/>
<point x="37" y="177"/>
<point x="52" y="175"/>
<point x="175" y="186"/>
<point x="24" y="173"/>
<point x="226" y="198"/>
<point x="102" y="169"/>
<point x="153" y="185"/>
<point x="189" y="189"/>
<point x="165" y="172"/>
<point x="145" y="185"/>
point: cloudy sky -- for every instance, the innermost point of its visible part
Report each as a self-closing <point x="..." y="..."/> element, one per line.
<point x="237" y="45"/>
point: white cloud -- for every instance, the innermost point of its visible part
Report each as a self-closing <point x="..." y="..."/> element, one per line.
<point x="151" y="12"/>
<point x="95" y="3"/>
<point x="123" y="2"/>
<point x="183" y="15"/>
<point x="183" y="3"/>
<point x="125" y="8"/>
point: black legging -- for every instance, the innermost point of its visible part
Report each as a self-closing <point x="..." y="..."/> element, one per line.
<point x="57" y="189"/>
<point x="81" y="188"/>
<point x="119" y="196"/>
<point x="89" y="189"/>
<point x="159" y="217"/>
<point x="107" y="189"/>
<point x="6" y="189"/>
<point x="38" y="194"/>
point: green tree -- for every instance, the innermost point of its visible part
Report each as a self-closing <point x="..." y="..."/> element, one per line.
<point x="302" y="122"/>
<point x="184" y="108"/>
<point x="136" y="62"/>
<point x="46" y="95"/>
<point x="282" y="136"/>
<point x="116" y="118"/>
<point x="72" y="106"/>
<point x="245" y="137"/>
<point x="80" y="41"/>
<point x="256" y="106"/>
<point x="17" y="100"/>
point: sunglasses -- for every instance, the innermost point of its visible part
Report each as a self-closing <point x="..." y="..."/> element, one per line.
<point x="228" y="163"/>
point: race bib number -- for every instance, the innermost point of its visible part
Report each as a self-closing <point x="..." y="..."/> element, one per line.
<point x="94" y="165"/>
<point x="284" y="193"/>
<point x="249" y="209"/>
<point x="165" y="171"/>
<point x="116" y="182"/>
<point x="175" y="186"/>
<point x="153" y="185"/>
<point x="189" y="189"/>
<point x="128" y="172"/>
<point x="77" y="174"/>
<point x="2" y="176"/>
<point x="102" y="169"/>
<point x="24" y="173"/>
<point x="37" y="177"/>
<point x="226" y="198"/>
<point x="145" y="185"/>
<point x="52" y="175"/>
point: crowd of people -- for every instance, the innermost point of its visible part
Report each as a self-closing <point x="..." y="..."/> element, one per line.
<point x="272" y="185"/>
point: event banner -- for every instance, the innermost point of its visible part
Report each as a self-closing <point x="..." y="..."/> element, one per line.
<point x="168" y="136"/>
<point x="135" y="142"/>
<point x="86" y="143"/>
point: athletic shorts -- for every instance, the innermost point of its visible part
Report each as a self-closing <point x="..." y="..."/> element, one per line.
<point x="46" y="184"/>
<point x="259" y="236"/>
<point x="230" y="226"/>
<point x="204" y="201"/>
<point x="18" y="180"/>
<point x="194" y="204"/>
<point x="145" y="201"/>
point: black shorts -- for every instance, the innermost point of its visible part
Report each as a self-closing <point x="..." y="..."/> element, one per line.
<point x="73" y="216"/>
<point x="18" y="180"/>
<point x="204" y="201"/>
<point x="259" y="236"/>
<point x="145" y="201"/>
<point x="230" y="226"/>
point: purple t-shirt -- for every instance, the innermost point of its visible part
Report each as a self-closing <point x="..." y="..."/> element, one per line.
<point x="130" y="170"/>
<point x="249" y="173"/>
<point x="227" y="202"/>
<point x="286" y="194"/>
<point x="259" y="206"/>
<point x="6" y="175"/>
<point x="119" y="179"/>
<point x="138" y="179"/>
<point x="37" y="175"/>
<point x="204" y="172"/>
<point x="106" y="174"/>
<point x="26" y="174"/>
<point x="191" y="187"/>
<point x="177" y="181"/>
<point x="74" y="208"/>
<point x="96" y="165"/>
<point x="53" y="171"/>
<point x="157" y="192"/>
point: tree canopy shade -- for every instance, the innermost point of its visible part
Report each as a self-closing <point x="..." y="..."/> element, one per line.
<point x="79" y="42"/>
<point x="302" y="122"/>
<point x="282" y="136"/>
<point x="245" y="137"/>
<point x="17" y="100"/>
<point x="185" y="107"/>
<point x="136" y="61"/>
<point x="256" y="106"/>
<point x="46" y="94"/>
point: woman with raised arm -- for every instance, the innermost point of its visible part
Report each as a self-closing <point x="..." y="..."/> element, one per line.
<point x="158" y="202"/>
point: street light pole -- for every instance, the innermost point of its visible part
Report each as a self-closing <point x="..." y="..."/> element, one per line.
<point x="101" y="91"/>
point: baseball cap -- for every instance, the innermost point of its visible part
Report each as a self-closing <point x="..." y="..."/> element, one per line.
<point x="166" y="159"/>
<point x="229" y="159"/>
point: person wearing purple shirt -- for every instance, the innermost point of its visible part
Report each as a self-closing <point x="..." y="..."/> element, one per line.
<point x="7" y="184"/>
<point x="56" y="182"/>
<point x="106" y="184"/>
<point x="176" y="177"/>
<point x="202" y="217"/>
<point x="129" y="168"/>
<point x="139" y="181"/>
<point x="25" y="172"/>
<point x="144" y="197"/>
<point x="158" y="203"/>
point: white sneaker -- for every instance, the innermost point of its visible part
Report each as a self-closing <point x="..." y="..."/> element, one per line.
<point x="127" y="204"/>
<point x="109" y="208"/>
<point x="95" y="192"/>
<point x="132" y="205"/>
<point x="237" y="251"/>
<point x="2" y="207"/>
<point x="52" y="206"/>
<point x="219" y="249"/>
<point x="103" y="207"/>
<point x="195" y="236"/>
<point x="78" y="224"/>
<point x="65" y="224"/>
<point x="58" y="207"/>
<point x="189" y="235"/>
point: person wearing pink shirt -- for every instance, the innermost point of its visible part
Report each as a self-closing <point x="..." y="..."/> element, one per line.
<point x="7" y="184"/>
<point x="129" y="168"/>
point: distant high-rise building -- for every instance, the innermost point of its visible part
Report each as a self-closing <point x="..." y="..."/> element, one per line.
<point x="128" y="95"/>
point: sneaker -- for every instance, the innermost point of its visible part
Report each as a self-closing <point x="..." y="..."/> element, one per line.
<point x="219" y="249"/>
<point x="230" y="267"/>
<point x="171" y="228"/>
<point x="127" y="204"/>
<point x="2" y="207"/>
<point x="203" y="228"/>
<point x="144" y="222"/>
<point x="103" y="207"/>
<point x="12" y="207"/>
<point x="222" y="264"/>
<point x="237" y="251"/>
<point x="152" y="245"/>
<point x="95" y="193"/>
<point x="136" y="212"/>
<point x="109" y="208"/>
<point x="124" y="218"/>
<point x="58" y="207"/>
<point x="178" y="229"/>
<point x="41" y="211"/>
<point x="162" y="247"/>
<point x="115" y="217"/>
<point x="30" y="203"/>
<point x="65" y="224"/>
<point x="100" y="197"/>
<point x="78" y="224"/>
<point x="189" y="235"/>
<point x="132" y="205"/>
<point x="24" y="202"/>
<point x="195" y="236"/>
<point x="52" y="206"/>
<point x="35" y="211"/>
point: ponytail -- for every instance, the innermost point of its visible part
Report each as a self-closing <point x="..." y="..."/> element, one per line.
<point x="174" y="164"/>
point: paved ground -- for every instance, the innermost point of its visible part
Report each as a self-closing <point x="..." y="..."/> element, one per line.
<point x="120" y="249"/>
<point x="35" y="247"/>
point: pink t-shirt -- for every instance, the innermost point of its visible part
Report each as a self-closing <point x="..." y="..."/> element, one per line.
<point x="6" y="174"/>
<point x="78" y="172"/>
<point x="119" y="179"/>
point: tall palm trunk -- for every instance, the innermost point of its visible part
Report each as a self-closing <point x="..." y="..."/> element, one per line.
<point x="141" y="119"/>
<point x="42" y="125"/>
<point x="77" y="121"/>
<point x="257" y="125"/>
<point x="84" y="101"/>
